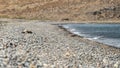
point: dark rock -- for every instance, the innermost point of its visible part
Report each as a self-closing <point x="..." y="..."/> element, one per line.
<point x="23" y="32"/>
<point x="65" y="19"/>
<point x="96" y="13"/>
<point x="11" y="43"/>
<point x="73" y="35"/>
<point x="30" y="32"/>
<point x="6" y="57"/>
<point x="39" y="66"/>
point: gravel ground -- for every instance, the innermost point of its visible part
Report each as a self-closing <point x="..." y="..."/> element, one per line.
<point x="35" y="44"/>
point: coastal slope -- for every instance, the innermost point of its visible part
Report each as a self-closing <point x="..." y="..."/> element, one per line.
<point x="61" y="10"/>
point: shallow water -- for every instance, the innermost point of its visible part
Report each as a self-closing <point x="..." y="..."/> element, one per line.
<point x="104" y="33"/>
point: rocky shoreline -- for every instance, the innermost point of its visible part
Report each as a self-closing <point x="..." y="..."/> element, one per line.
<point x="35" y="44"/>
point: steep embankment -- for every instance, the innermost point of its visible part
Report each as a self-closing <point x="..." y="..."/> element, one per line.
<point x="75" y="10"/>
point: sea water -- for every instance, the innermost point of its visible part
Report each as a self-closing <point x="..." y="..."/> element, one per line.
<point x="104" y="33"/>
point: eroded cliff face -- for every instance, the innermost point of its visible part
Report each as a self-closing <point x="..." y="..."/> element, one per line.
<point x="73" y="10"/>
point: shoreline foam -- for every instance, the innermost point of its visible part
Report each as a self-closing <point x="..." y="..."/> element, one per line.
<point x="72" y="31"/>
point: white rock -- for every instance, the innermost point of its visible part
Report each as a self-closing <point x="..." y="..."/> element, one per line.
<point x="117" y="65"/>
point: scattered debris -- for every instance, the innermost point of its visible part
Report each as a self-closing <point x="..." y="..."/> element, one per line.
<point x="27" y="31"/>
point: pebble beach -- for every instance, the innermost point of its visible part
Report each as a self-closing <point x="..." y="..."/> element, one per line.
<point x="35" y="44"/>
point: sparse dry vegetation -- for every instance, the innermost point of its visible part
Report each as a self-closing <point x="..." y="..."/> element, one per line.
<point x="72" y="10"/>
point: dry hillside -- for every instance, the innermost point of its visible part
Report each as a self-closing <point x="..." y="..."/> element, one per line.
<point x="73" y="10"/>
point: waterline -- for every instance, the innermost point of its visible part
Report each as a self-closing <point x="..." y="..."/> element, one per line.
<point x="104" y="33"/>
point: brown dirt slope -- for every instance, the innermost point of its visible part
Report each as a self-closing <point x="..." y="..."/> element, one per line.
<point x="73" y="10"/>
